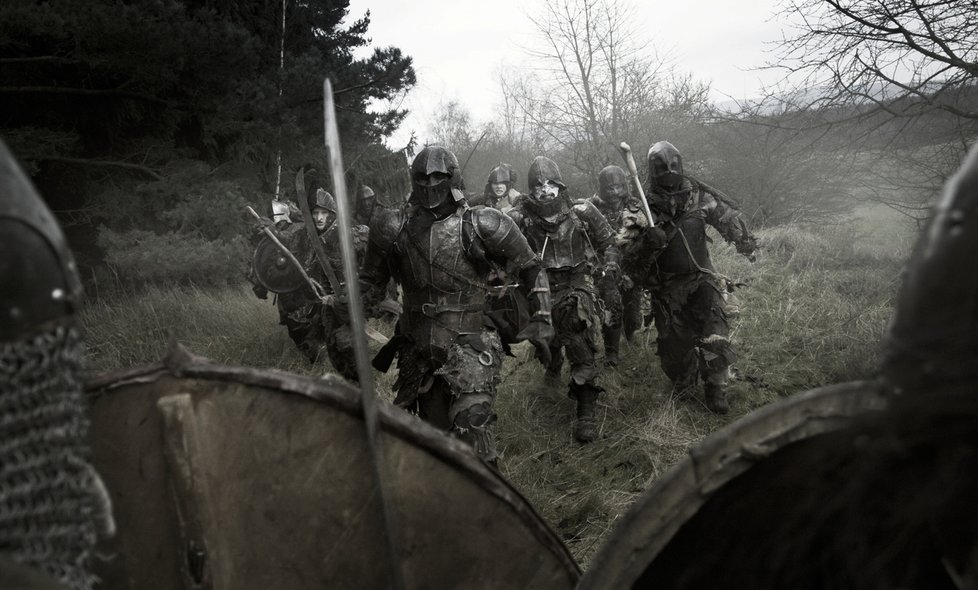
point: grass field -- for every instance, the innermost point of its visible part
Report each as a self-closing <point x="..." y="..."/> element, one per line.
<point x="815" y="307"/>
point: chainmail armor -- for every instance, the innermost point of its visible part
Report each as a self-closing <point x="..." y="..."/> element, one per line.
<point x="52" y="503"/>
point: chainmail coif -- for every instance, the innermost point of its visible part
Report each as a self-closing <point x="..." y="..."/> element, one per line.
<point x="52" y="503"/>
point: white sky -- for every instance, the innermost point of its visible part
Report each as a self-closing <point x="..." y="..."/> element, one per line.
<point x="459" y="46"/>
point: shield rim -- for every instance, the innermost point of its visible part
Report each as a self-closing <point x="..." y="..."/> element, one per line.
<point x="654" y="519"/>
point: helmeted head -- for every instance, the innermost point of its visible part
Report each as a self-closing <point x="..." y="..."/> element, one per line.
<point x="280" y="212"/>
<point x="436" y="178"/>
<point x="323" y="207"/>
<point x="501" y="180"/>
<point x="665" y="166"/>
<point x="612" y="184"/>
<point x="543" y="180"/>
<point x="39" y="281"/>
<point x="366" y="199"/>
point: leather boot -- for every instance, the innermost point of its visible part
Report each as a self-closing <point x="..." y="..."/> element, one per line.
<point x="716" y="398"/>
<point x="586" y="425"/>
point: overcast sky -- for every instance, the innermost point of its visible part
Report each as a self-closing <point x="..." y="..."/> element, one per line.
<point x="459" y="46"/>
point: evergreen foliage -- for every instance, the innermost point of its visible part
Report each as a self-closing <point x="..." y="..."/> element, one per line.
<point x="168" y="116"/>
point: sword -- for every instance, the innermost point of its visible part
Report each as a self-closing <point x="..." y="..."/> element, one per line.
<point x="626" y="152"/>
<point x="364" y="369"/>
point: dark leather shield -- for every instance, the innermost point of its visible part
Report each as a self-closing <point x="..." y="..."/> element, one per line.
<point x="274" y="270"/>
<point x="233" y="478"/>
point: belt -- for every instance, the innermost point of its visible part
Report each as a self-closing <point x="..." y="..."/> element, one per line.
<point x="434" y="309"/>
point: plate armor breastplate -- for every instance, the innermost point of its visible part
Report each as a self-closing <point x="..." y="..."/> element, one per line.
<point x="444" y="294"/>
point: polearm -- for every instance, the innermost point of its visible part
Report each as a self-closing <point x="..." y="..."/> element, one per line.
<point x="626" y="152"/>
<point x="364" y="369"/>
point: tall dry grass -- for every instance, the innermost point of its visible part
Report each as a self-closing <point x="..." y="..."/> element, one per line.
<point x="815" y="307"/>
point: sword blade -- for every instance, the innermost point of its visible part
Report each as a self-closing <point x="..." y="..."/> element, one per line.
<point x="364" y="369"/>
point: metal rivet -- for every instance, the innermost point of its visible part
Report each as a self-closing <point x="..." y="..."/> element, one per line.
<point x="58" y="294"/>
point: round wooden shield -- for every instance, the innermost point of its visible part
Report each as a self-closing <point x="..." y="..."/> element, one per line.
<point x="236" y="478"/>
<point x="720" y="518"/>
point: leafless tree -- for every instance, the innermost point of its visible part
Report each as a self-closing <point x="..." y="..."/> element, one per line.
<point x="902" y="57"/>
<point x="894" y="80"/>
<point x="593" y="82"/>
<point x="451" y="126"/>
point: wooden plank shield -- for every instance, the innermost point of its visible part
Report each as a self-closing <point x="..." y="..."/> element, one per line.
<point x="741" y="509"/>
<point x="234" y="478"/>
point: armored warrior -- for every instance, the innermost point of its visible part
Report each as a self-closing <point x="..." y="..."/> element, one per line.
<point x="500" y="192"/>
<point x="613" y="201"/>
<point x="574" y="241"/>
<point x="674" y="262"/>
<point x="440" y="252"/>
<point x="364" y="207"/>
<point x="310" y="321"/>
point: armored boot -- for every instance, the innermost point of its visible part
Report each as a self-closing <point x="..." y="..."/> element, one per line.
<point x="586" y="425"/>
<point x="716" y="398"/>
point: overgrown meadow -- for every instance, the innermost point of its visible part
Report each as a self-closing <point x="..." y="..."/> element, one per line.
<point x="814" y="309"/>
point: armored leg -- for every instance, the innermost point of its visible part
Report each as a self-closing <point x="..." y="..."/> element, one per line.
<point x="631" y="300"/>
<point x="472" y="374"/>
<point x="714" y="351"/>
<point x="611" y="337"/>
<point x="433" y="405"/>
<point x="676" y="347"/>
<point x="576" y="321"/>
<point x="556" y="363"/>
<point x="339" y="346"/>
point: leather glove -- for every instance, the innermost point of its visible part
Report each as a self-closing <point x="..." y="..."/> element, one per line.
<point x="262" y="224"/>
<point x="748" y="247"/>
<point x="540" y="334"/>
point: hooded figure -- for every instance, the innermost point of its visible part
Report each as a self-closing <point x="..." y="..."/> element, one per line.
<point x="674" y="263"/>
<point x="575" y="242"/>
<point x="441" y="252"/>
